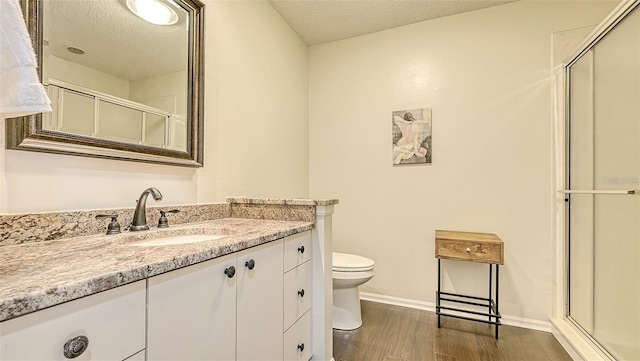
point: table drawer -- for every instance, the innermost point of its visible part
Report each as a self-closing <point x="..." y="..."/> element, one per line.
<point x="470" y="251"/>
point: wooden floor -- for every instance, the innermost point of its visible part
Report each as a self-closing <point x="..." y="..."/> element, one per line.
<point x="398" y="333"/>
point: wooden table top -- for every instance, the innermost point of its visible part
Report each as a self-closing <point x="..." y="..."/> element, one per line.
<point x="468" y="236"/>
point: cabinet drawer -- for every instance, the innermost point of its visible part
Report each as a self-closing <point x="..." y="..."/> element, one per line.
<point x="297" y="250"/>
<point x="297" y="293"/>
<point x="297" y="340"/>
<point x="113" y="321"/>
<point x="464" y="250"/>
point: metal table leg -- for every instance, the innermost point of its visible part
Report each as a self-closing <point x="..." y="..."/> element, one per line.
<point x="438" y="295"/>
<point x="497" y="293"/>
<point x="490" y="284"/>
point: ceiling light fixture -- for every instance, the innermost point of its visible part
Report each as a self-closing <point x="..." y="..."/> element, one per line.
<point x="153" y="11"/>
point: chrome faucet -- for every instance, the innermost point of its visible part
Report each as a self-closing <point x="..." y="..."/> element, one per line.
<point x="139" y="222"/>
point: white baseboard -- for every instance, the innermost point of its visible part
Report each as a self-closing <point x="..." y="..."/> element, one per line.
<point x="429" y="306"/>
<point x="397" y="301"/>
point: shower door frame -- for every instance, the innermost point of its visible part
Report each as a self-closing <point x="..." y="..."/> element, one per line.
<point x="567" y="330"/>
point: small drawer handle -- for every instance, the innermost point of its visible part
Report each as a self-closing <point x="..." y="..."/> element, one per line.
<point x="301" y="293"/>
<point x="230" y="271"/>
<point x="75" y="346"/>
<point x="301" y="249"/>
<point x="250" y="264"/>
<point x="301" y="347"/>
<point x="468" y="250"/>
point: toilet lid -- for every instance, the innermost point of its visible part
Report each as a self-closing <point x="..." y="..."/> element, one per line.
<point x="344" y="262"/>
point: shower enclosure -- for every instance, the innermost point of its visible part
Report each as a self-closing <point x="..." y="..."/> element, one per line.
<point x="602" y="194"/>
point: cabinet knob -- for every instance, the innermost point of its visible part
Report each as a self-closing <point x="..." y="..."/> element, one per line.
<point x="230" y="271"/>
<point x="468" y="250"/>
<point x="75" y="346"/>
<point x="301" y="347"/>
<point x="301" y="249"/>
<point x="301" y="293"/>
<point x="250" y="264"/>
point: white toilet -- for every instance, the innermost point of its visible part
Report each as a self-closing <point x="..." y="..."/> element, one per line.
<point x="349" y="272"/>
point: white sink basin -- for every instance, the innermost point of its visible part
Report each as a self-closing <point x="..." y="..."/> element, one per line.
<point x="174" y="240"/>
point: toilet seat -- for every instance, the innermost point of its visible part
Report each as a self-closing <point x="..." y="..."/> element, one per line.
<point x="344" y="262"/>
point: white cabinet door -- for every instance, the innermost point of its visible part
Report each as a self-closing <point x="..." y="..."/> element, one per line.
<point x="192" y="312"/>
<point x="112" y="321"/>
<point x="260" y="303"/>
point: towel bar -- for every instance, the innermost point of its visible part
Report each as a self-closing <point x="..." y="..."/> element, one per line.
<point x="577" y="191"/>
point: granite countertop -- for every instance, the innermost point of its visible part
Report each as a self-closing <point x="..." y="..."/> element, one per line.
<point x="38" y="275"/>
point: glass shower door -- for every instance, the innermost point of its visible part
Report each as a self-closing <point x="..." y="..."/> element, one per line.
<point x="604" y="158"/>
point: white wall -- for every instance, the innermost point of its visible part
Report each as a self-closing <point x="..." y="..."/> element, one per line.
<point x="256" y="129"/>
<point x="74" y="73"/>
<point x="170" y="85"/>
<point x="167" y="92"/>
<point x="257" y="134"/>
<point x="486" y="76"/>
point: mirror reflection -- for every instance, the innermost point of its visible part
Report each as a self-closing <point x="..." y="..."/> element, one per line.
<point x="117" y="72"/>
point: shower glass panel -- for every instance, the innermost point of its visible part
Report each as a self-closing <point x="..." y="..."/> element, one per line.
<point x="119" y="123"/>
<point x="604" y="155"/>
<point x="154" y="129"/>
<point x="581" y="206"/>
<point x="69" y="111"/>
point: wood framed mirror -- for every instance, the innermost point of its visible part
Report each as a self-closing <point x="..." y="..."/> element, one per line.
<point x="121" y="86"/>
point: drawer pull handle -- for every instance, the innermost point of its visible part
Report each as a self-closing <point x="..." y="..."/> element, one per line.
<point x="75" y="346"/>
<point x="301" y="249"/>
<point x="301" y="293"/>
<point x="468" y="250"/>
<point x="230" y="271"/>
<point x="250" y="264"/>
<point x="301" y="347"/>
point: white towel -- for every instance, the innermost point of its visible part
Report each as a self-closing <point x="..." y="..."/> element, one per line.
<point x="20" y="90"/>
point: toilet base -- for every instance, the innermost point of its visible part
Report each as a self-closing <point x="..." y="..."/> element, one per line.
<point x="346" y="309"/>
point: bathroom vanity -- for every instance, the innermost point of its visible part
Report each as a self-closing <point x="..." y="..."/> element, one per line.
<point x="253" y="294"/>
<point x="235" y="306"/>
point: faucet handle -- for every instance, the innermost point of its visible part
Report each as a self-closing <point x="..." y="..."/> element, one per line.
<point x="163" y="222"/>
<point x="114" y="226"/>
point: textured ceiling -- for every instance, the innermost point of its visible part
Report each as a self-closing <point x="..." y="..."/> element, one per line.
<point x="322" y="21"/>
<point x="115" y="40"/>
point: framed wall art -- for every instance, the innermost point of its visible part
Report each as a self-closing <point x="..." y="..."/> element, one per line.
<point x="411" y="136"/>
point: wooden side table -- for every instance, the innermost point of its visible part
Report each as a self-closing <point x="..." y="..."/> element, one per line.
<point x="470" y="247"/>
